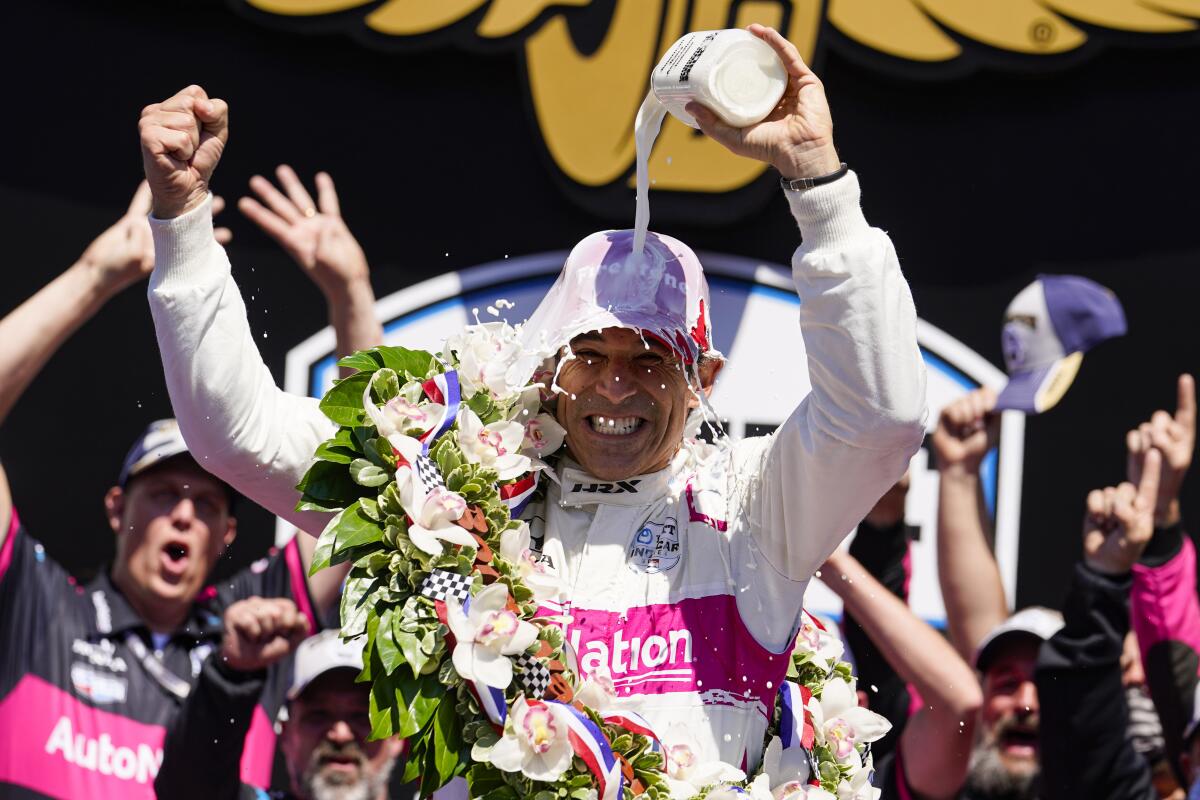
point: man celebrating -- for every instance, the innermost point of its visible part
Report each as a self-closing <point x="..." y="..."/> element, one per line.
<point x="90" y="675"/>
<point x="685" y="565"/>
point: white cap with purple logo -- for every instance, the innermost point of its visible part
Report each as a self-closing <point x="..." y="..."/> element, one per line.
<point x="1048" y="327"/>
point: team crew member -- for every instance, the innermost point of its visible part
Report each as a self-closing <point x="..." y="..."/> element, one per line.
<point x="326" y="728"/>
<point x="90" y="675"/>
<point x="686" y="564"/>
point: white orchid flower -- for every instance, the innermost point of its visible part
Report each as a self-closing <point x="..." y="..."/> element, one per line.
<point x="400" y="414"/>
<point x="491" y="357"/>
<point x="784" y="767"/>
<point x="841" y="723"/>
<point x="859" y="786"/>
<point x="543" y="436"/>
<point x="687" y="775"/>
<point x="495" y="446"/>
<point x="821" y="644"/>
<point x="433" y="516"/>
<point x="542" y="579"/>
<point x="598" y="691"/>
<point x="534" y="743"/>
<point x="487" y="635"/>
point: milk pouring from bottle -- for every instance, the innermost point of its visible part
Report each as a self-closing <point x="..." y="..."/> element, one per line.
<point x="732" y="72"/>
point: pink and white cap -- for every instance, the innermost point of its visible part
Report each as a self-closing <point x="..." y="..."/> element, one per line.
<point x="660" y="292"/>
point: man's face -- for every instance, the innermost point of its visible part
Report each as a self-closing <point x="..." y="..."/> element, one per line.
<point x="1005" y="758"/>
<point x="172" y="523"/>
<point x="625" y="404"/>
<point x="325" y="742"/>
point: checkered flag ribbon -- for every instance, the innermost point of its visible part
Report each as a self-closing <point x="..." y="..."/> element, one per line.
<point x="428" y="474"/>
<point x="533" y="675"/>
<point x="442" y="584"/>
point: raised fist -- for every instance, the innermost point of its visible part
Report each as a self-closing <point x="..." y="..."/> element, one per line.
<point x="259" y="632"/>
<point x="966" y="430"/>
<point x="1120" y="520"/>
<point x="182" y="141"/>
<point x="1173" y="435"/>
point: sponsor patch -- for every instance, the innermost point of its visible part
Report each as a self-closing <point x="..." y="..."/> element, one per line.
<point x="99" y="687"/>
<point x="655" y="547"/>
<point x="616" y="487"/>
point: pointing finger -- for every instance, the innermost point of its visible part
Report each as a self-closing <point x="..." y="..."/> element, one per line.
<point x="1185" y="402"/>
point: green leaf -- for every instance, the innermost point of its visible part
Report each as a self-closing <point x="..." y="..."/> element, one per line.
<point x="382" y="708"/>
<point x="380" y="452"/>
<point x="323" y="552"/>
<point x="385" y="385"/>
<point x="319" y="505"/>
<point x="363" y="361"/>
<point x="344" y="402"/>
<point x="385" y="642"/>
<point x="329" y="483"/>
<point x="447" y="741"/>
<point x="354" y="529"/>
<point x="403" y="360"/>
<point x="355" y="604"/>
<point x="416" y="699"/>
<point x="370" y="508"/>
<point x="365" y="473"/>
<point x="410" y="645"/>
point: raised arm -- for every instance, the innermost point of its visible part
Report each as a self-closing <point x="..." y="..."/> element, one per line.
<point x="1085" y="746"/>
<point x="967" y="571"/>
<point x="318" y="240"/>
<point x="852" y="437"/>
<point x="32" y="333"/>
<point x="238" y="424"/>
<point x="936" y="743"/>
<point x="1165" y="606"/>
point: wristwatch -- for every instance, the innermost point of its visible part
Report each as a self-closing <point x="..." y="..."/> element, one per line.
<point x="800" y="184"/>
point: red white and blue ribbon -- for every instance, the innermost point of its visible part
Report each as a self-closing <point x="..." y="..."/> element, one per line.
<point x="517" y="495"/>
<point x="791" y="721"/>
<point x="442" y="388"/>
<point x="635" y="723"/>
<point x="590" y="744"/>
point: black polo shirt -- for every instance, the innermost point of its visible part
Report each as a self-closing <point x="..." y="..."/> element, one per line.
<point x="83" y="706"/>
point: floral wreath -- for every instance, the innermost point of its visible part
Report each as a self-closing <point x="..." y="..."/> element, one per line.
<point x="433" y="461"/>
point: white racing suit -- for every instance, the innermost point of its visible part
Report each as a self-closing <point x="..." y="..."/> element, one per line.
<point x="686" y="584"/>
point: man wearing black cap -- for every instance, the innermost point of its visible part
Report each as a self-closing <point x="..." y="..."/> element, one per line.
<point x="90" y="675"/>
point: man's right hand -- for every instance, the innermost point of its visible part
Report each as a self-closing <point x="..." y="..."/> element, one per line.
<point x="259" y="632"/>
<point x="966" y="430"/>
<point x="182" y="141"/>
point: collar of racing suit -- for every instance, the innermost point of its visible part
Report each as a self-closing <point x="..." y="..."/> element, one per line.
<point x="578" y="488"/>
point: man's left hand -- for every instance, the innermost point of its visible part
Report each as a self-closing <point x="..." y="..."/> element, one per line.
<point x="797" y="137"/>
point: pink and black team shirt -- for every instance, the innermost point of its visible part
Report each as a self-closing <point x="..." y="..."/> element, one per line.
<point x="80" y="717"/>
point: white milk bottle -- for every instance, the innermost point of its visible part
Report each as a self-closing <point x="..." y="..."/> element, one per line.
<point x="732" y="72"/>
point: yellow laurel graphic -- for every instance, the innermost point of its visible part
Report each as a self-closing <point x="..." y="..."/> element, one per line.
<point x="585" y="103"/>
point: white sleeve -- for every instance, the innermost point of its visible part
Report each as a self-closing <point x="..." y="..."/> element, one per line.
<point x="852" y="437"/>
<point x="237" y="423"/>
